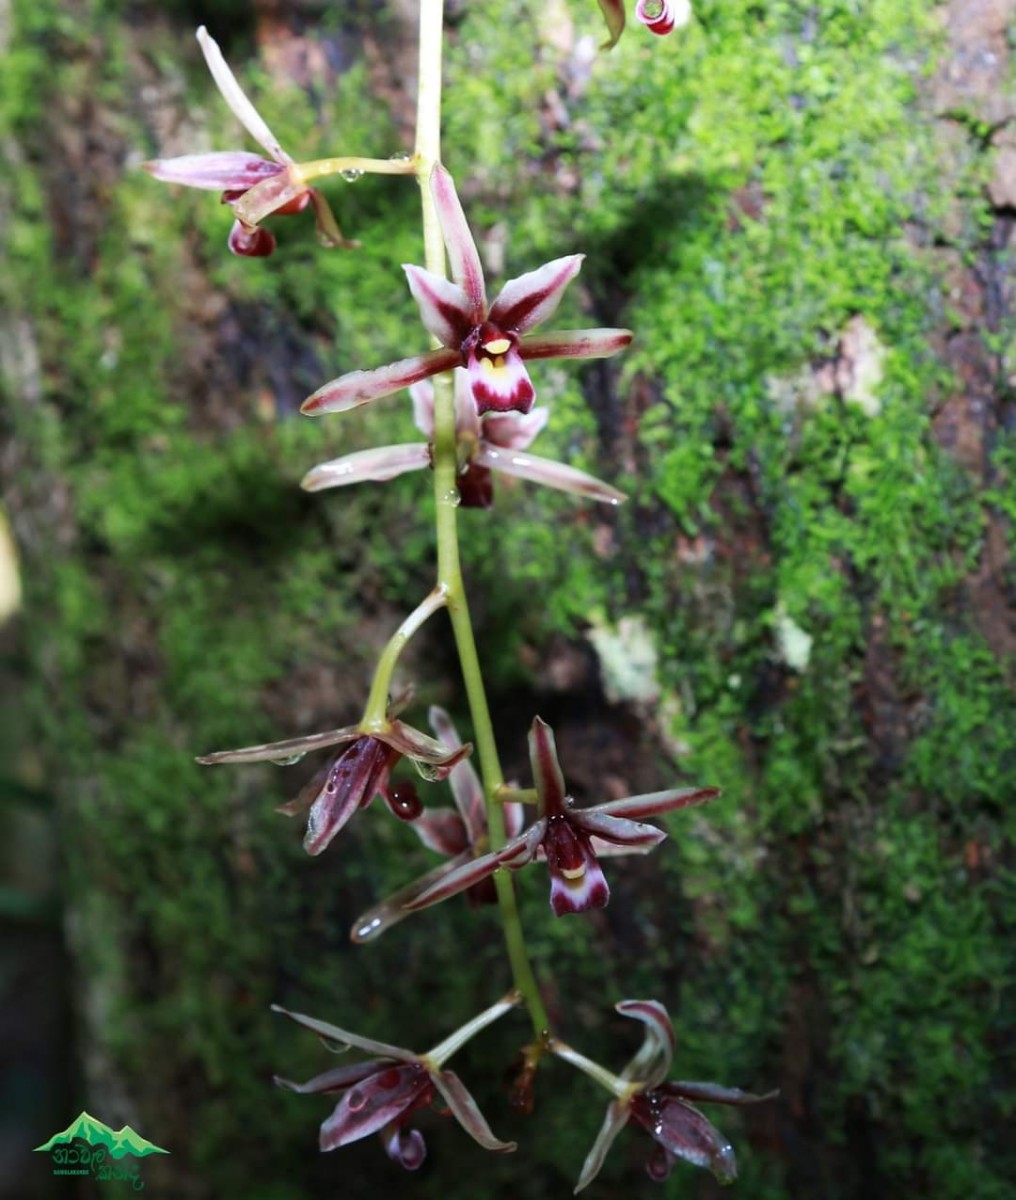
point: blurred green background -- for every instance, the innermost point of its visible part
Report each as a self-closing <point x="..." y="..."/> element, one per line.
<point x="805" y="211"/>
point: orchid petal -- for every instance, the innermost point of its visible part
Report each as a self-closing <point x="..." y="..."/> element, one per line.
<point x="467" y="791"/>
<point x="514" y="819"/>
<point x="546" y="769"/>
<point x="328" y="231"/>
<point x="422" y="396"/>
<point x="234" y="96"/>
<point x="513" y="431"/>
<point x="250" y="242"/>
<point x="271" y="194"/>
<point x="377" y="465"/>
<point x="614" y="15"/>
<point x="575" y="343"/>
<point x="663" y="16"/>
<point x="361" y="387"/>
<point x="376" y="1102"/>
<point x="651" y="1064"/>
<point x="462" y="254"/>
<point x="390" y="911"/>
<point x="425" y="750"/>
<point x="684" y="1132"/>
<point x="336" y="1036"/>
<point x="654" y="803"/>
<point x="467" y="419"/>
<point x="551" y="474"/>
<point x="444" y="307"/>
<point x="530" y="299"/>
<point x="615" y="1120"/>
<point x="335" y="1080"/>
<point x="458" y="880"/>
<point x="713" y="1093"/>
<point x="404" y="1146"/>
<point x="614" y="829"/>
<point x="283" y="753"/>
<point x="582" y="887"/>
<point x="466" y="1111"/>
<point x="227" y="170"/>
<point x="501" y="384"/>
<point x="443" y="829"/>
<point x="359" y="774"/>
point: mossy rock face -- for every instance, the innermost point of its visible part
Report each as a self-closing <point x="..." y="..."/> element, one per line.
<point x="803" y="601"/>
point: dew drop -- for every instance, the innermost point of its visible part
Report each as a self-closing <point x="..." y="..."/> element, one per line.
<point x="352" y="175"/>
<point x="288" y="760"/>
<point x="355" y="1099"/>
<point x="452" y="498"/>
<point x="400" y="156"/>
<point x="366" y="931"/>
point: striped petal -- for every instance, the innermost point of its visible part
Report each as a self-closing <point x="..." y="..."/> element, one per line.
<point x="270" y="195"/>
<point x="393" y="909"/>
<point x="613" y="1123"/>
<point x="228" y="170"/>
<point x="444" y="308"/>
<point x="546" y="769"/>
<point x="462" y="253"/>
<point x="575" y="343"/>
<point x="549" y="473"/>
<point x="371" y="1105"/>
<point x="335" y="1080"/>
<point x="530" y="299"/>
<point x="684" y="1132"/>
<point x="467" y="791"/>
<point x="361" y="387"/>
<point x="713" y="1093"/>
<point x="283" y="753"/>
<point x="466" y="1111"/>
<point x="334" y="1036"/>
<point x="443" y="829"/>
<point x="377" y="465"/>
<point x="234" y="96"/>
<point x="654" y="803"/>
<point x="651" y="1064"/>
<point x="513" y="431"/>
<point x="617" y="830"/>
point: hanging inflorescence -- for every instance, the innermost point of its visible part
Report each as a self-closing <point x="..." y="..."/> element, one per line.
<point x="473" y="402"/>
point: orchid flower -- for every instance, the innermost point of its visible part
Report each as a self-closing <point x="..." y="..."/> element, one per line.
<point x="663" y="16"/>
<point x="662" y="1108"/>
<point x="459" y="833"/>
<point x="254" y="187"/>
<point x="571" y="840"/>
<point x="380" y="1094"/>
<point x="495" y="442"/>
<point x="491" y="342"/>
<point x="361" y="771"/>
<point x="659" y="16"/>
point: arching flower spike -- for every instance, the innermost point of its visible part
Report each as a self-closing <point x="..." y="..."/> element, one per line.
<point x="492" y="342"/>
<point x="254" y="187"/>
<point x="496" y="442"/>
<point x="382" y="1093"/>
<point x="351" y="780"/>
<point x="661" y="1108"/>
<point x="571" y="840"/>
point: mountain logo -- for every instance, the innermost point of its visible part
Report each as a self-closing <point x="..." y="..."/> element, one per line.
<point x="90" y="1147"/>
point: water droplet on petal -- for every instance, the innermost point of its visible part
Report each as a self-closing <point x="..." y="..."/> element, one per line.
<point x="288" y="759"/>
<point x="355" y="1099"/>
<point x="401" y="156"/>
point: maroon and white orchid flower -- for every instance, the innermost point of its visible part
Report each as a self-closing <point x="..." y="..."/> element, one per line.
<point x="495" y="442"/>
<point x="663" y="16"/>
<point x="459" y="833"/>
<point x="659" y="16"/>
<point x="380" y="1094"/>
<point x="492" y="342"/>
<point x="571" y="840"/>
<point x="662" y="1108"/>
<point x="352" y="779"/>
<point x="254" y="187"/>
